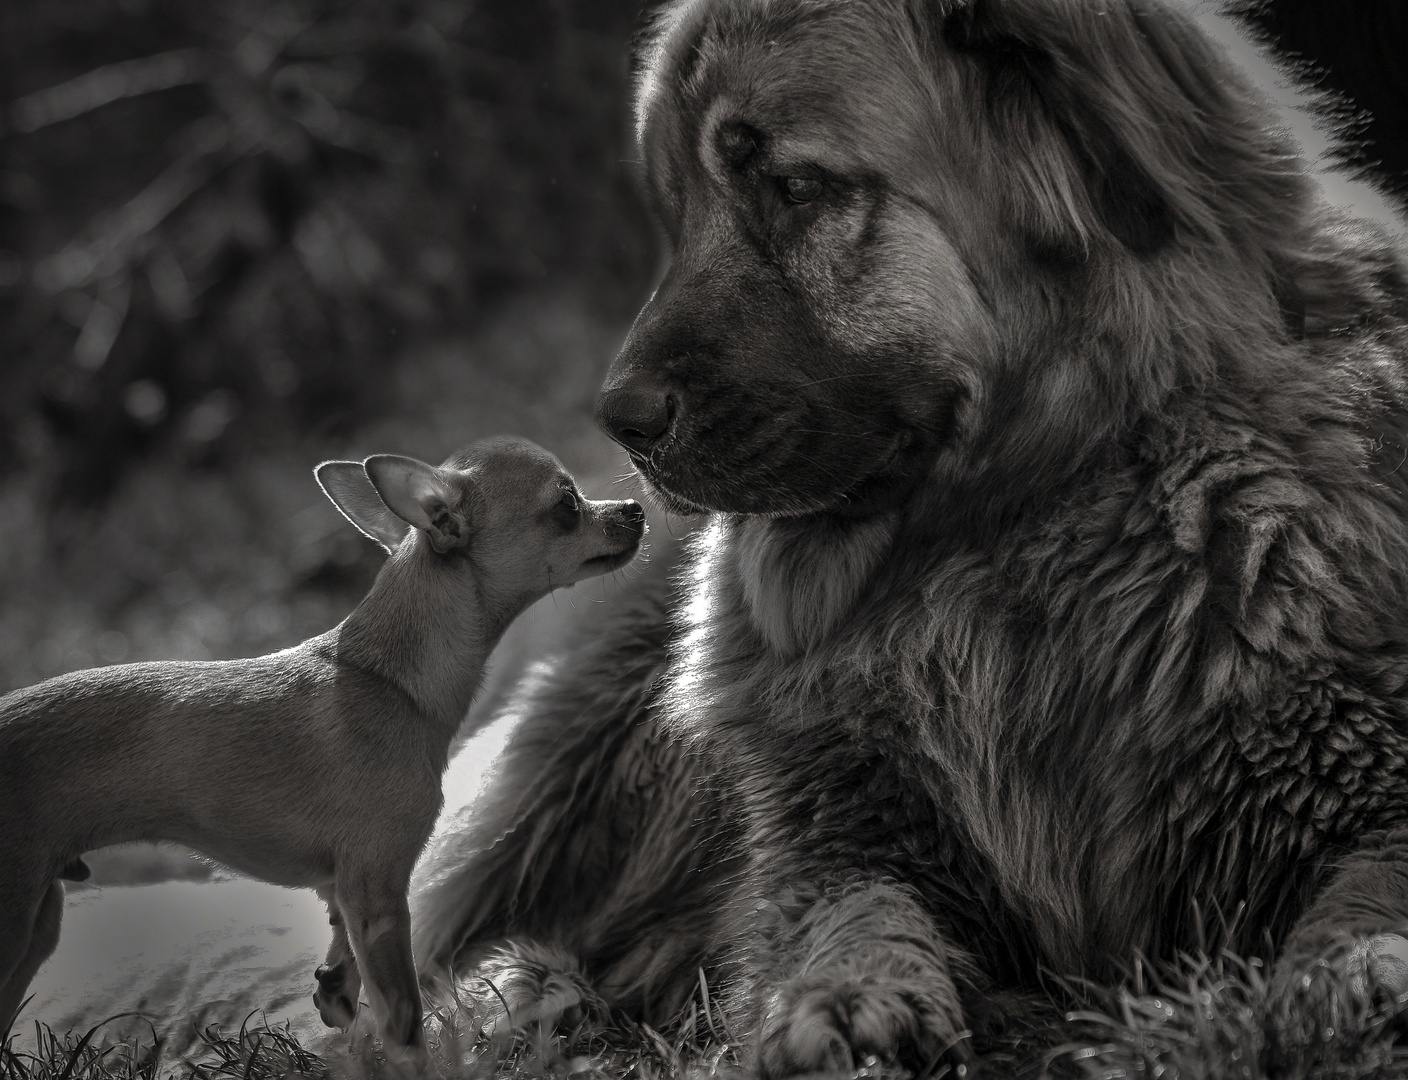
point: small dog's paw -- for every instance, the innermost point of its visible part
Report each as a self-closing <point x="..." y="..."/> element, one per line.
<point x="816" y="1025"/>
<point x="1378" y="963"/>
<point x="335" y="999"/>
<point x="410" y="1062"/>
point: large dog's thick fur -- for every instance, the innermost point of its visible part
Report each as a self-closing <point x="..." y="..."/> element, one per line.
<point x="1052" y="610"/>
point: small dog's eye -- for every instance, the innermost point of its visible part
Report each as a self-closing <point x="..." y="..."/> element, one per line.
<point x="567" y="511"/>
<point x="801" y="189"/>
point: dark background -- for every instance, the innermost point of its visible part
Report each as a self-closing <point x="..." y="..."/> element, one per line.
<point x="238" y="237"/>
<point x="241" y="236"/>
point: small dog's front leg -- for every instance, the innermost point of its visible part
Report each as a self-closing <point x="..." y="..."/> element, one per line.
<point x="377" y="921"/>
<point x="339" y="981"/>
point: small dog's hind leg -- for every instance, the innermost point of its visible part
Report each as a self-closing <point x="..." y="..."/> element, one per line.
<point x="23" y="952"/>
<point x="339" y="981"/>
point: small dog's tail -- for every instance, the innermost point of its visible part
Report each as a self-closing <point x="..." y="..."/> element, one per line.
<point x="75" y="870"/>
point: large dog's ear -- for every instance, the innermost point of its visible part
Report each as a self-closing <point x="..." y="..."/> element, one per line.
<point x="656" y="20"/>
<point x="1119" y="115"/>
<point x="651" y="26"/>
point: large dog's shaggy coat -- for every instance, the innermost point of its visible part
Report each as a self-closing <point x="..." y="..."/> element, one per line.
<point x="1052" y="610"/>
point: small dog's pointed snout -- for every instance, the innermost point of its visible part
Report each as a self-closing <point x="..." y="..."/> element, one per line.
<point x="636" y="414"/>
<point x="625" y="520"/>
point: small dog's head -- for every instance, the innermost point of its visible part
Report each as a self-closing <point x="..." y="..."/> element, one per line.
<point x="504" y="505"/>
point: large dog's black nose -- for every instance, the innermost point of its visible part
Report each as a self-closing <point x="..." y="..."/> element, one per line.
<point x="636" y="414"/>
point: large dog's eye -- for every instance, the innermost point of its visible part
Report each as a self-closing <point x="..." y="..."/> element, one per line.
<point x="801" y="189"/>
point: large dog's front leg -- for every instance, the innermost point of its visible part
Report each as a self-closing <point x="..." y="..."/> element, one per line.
<point x="861" y="972"/>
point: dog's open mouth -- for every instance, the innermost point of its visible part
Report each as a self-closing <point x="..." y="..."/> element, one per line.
<point x="604" y="564"/>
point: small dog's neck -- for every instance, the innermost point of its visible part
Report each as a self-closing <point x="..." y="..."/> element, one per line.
<point x="428" y="627"/>
<point x="796" y="580"/>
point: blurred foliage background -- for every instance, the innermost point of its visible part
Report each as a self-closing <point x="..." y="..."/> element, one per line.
<point x="241" y="236"/>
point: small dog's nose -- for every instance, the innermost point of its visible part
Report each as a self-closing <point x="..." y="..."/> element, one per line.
<point x="636" y="415"/>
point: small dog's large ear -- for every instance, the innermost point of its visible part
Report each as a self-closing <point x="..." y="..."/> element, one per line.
<point x="346" y="484"/>
<point x="423" y="496"/>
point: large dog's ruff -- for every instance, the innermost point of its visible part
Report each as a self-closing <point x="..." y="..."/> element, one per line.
<point x="1052" y="611"/>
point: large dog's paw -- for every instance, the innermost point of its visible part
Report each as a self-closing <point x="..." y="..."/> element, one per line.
<point x="1353" y="996"/>
<point x="1378" y="963"/>
<point x="527" y="984"/>
<point x="1369" y="968"/>
<point x="819" y="1024"/>
<point x="336" y="995"/>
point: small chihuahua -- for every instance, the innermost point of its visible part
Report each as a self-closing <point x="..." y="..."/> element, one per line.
<point x="316" y="766"/>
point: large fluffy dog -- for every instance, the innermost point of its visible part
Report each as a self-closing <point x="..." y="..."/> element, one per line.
<point x="1052" y="607"/>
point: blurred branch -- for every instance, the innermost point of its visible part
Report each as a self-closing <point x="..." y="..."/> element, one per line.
<point x="104" y="323"/>
<point x="119" y="232"/>
<point x="336" y="181"/>
<point x="113" y="82"/>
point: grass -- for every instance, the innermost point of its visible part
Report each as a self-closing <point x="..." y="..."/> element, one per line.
<point x="1203" y="1019"/>
<point x="464" y="1043"/>
<point x="254" y="1051"/>
<point x="1219" y="1019"/>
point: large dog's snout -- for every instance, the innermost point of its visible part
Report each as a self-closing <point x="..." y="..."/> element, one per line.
<point x="636" y="413"/>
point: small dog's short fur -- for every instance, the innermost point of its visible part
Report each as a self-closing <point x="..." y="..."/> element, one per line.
<point x="1056" y="588"/>
<point x="320" y="765"/>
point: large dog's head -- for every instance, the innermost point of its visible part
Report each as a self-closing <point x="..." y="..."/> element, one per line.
<point x="905" y="232"/>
